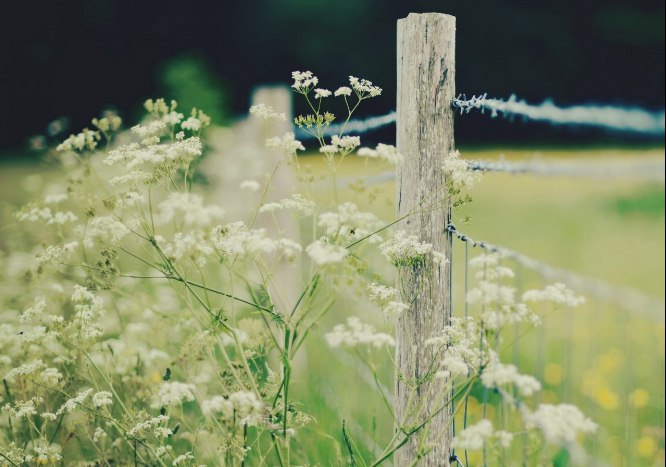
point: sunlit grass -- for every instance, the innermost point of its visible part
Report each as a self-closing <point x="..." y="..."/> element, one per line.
<point x="601" y="357"/>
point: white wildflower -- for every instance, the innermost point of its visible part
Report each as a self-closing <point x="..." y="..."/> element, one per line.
<point x="387" y="298"/>
<point x="556" y="293"/>
<point x="457" y="171"/>
<point x="295" y="202"/>
<point x="345" y="144"/>
<point x="192" y="245"/>
<point x="87" y="139"/>
<point x="497" y="374"/>
<point x="355" y="332"/>
<point x="329" y="149"/>
<point x="173" y="118"/>
<point x="173" y="393"/>
<point x="267" y="112"/>
<point x="131" y="198"/>
<point x="105" y="228"/>
<point x="241" y="405"/>
<point x="179" y="153"/>
<point x="475" y="436"/>
<point x="99" y="435"/>
<point x="51" y="376"/>
<point x="218" y="405"/>
<point x="55" y="198"/>
<point x="304" y="81"/>
<point x="157" y="424"/>
<point x="289" y="248"/>
<point x="34" y="312"/>
<point x="136" y="176"/>
<point x="394" y="309"/>
<point x="25" y="370"/>
<point x="164" y="450"/>
<point x="46" y="454"/>
<point x="460" y="347"/>
<point x="188" y="208"/>
<point x="250" y="185"/>
<point x="364" y="88"/>
<point x="24" y="409"/>
<point x="102" y="398"/>
<point x="183" y="459"/>
<point x="343" y="91"/>
<point x="350" y="223"/>
<point x="88" y="308"/>
<point x="381" y="294"/>
<point x="192" y="124"/>
<point x="36" y="335"/>
<point x="153" y="128"/>
<point x="487" y="292"/>
<point x="236" y="240"/>
<point x="82" y="294"/>
<point x="57" y="254"/>
<point x="286" y="145"/>
<point x="405" y="250"/>
<point x="35" y="214"/>
<point x="323" y="253"/>
<point x="61" y="218"/>
<point x="439" y="258"/>
<point x="560" y="424"/>
<point x="321" y="93"/>
<point x="71" y="404"/>
<point x="385" y="152"/>
<point x="246" y="404"/>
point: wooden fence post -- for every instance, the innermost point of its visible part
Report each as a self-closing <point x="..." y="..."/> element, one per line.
<point x="426" y="87"/>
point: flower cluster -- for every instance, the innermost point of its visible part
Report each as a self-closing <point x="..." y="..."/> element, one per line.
<point x="385" y="152"/>
<point x="349" y="223"/>
<point x="497" y="374"/>
<point x="267" y="112"/>
<point x="243" y="407"/>
<point x="388" y="299"/>
<point x="474" y="437"/>
<point x="461" y="349"/>
<point x="405" y="250"/>
<point x="560" y="424"/>
<point x="357" y="333"/>
<point x="323" y="253"/>
<point x="556" y="293"/>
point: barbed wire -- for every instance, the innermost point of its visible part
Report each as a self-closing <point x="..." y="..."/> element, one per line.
<point x="614" y="118"/>
<point x="630" y="299"/>
<point x="652" y="169"/>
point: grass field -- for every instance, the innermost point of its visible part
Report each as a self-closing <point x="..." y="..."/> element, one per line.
<point x="606" y="359"/>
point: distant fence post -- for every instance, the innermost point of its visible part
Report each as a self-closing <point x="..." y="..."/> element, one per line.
<point x="284" y="287"/>
<point x="426" y="88"/>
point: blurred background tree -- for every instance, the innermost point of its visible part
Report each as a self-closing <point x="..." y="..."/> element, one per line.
<point x="79" y="56"/>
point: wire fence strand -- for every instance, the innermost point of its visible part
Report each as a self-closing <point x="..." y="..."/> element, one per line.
<point x="630" y="299"/>
<point x="652" y="169"/>
<point x="625" y="119"/>
<point x="612" y="118"/>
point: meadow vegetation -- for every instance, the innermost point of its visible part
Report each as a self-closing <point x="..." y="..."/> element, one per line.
<point x="145" y="322"/>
